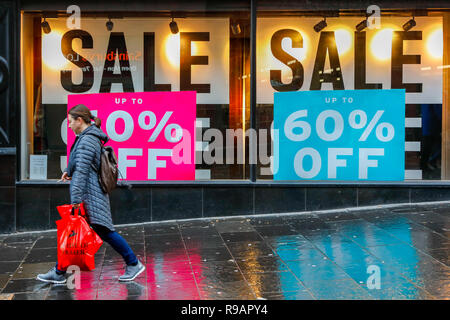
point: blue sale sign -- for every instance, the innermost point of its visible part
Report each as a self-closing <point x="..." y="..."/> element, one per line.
<point x="339" y="135"/>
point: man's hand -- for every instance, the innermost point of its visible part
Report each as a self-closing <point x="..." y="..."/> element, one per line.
<point x="65" y="177"/>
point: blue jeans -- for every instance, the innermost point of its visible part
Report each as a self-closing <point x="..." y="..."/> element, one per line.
<point x="116" y="241"/>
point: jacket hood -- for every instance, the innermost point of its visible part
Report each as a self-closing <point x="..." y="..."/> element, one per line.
<point x="93" y="130"/>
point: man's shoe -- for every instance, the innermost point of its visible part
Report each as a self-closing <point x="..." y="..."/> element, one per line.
<point x="52" y="277"/>
<point x="131" y="272"/>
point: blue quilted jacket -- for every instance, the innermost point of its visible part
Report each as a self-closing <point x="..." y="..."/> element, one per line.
<point x="84" y="187"/>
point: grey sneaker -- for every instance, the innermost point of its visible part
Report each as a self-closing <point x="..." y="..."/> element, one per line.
<point x="131" y="272"/>
<point x="52" y="277"/>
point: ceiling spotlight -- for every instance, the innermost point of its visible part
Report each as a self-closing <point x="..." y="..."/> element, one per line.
<point x="109" y="25"/>
<point x="410" y="24"/>
<point x="173" y="27"/>
<point x="362" y="25"/>
<point x="46" y="27"/>
<point x="320" y="25"/>
<point x="235" y="28"/>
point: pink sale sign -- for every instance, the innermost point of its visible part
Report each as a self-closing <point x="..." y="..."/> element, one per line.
<point x="152" y="133"/>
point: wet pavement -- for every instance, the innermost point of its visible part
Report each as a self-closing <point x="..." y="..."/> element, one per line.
<point x="386" y="253"/>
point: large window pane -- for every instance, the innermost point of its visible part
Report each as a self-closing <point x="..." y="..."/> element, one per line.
<point x="292" y="57"/>
<point x="209" y="55"/>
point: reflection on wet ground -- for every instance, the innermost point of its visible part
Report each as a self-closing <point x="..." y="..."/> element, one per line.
<point x="396" y="253"/>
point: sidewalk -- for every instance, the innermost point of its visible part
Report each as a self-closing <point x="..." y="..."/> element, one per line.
<point x="295" y="256"/>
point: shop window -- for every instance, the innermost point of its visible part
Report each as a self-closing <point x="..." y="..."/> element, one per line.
<point x="300" y="51"/>
<point x="208" y="54"/>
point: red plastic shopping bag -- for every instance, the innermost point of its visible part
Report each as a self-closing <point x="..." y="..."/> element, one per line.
<point x="77" y="242"/>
